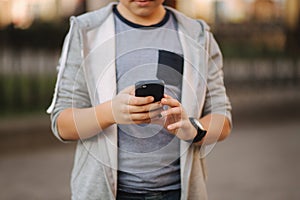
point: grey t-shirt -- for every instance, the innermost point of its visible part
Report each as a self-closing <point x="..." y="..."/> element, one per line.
<point x="148" y="153"/>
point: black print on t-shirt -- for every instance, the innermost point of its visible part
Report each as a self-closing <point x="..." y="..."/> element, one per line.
<point x="170" y="67"/>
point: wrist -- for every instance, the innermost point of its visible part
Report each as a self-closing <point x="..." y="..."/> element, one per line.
<point x="109" y="114"/>
<point x="105" y="115"/>
<point x="193" y="133"/>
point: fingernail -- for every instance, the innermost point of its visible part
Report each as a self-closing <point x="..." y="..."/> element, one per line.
<point x="151" y="99"/>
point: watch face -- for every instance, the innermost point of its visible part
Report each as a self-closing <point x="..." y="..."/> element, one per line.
<point x="198" y="124"/>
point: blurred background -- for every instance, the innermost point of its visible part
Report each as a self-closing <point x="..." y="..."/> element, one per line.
<point x="260" y="40"/>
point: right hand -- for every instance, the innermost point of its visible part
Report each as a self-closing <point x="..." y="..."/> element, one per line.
<point x="129" y="109"/>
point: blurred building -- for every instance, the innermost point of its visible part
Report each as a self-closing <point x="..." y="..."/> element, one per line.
<point x="233" y="11"/>
<point x="292" y="22"/>
<point x="292" y="14"/>
<point x="214" y="10"/>
<point x="283" y="13"/>
<point x="266" y="11"/>
<point x="22" y="13"/>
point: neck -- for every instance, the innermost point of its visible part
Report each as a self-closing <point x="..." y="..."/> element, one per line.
<point x="142" y="19"/>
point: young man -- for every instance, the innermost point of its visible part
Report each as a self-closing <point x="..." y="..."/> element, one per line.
<point x="131" y="147"/>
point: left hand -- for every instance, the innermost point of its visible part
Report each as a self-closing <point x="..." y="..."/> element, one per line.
<point x="176" y="119"/>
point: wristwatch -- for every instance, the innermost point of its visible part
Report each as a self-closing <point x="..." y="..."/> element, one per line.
<point x="200" y="130"/>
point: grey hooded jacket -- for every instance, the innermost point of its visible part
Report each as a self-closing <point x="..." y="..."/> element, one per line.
<point x="87" y="78"/>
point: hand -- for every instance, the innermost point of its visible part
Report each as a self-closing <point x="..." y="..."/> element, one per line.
<point x="129" y="109"/>
<point x="176" y="120"/>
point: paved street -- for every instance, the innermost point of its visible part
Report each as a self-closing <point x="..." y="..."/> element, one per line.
<point x="260" y="160"/>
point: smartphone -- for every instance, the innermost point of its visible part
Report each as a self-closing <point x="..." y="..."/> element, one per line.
<point x="153" y="88"/>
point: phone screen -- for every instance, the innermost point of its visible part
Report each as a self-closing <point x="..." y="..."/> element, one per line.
<point x="153" y="88"/>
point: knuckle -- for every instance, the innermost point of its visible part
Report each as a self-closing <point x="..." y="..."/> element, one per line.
<point x="131" y="101"/>
<point x="135" y="101"/>
<point x="144" y="116"/>
<point x="143" y="108"/>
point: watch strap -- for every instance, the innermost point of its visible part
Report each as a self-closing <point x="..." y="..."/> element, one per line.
<point x="200" y="132"/>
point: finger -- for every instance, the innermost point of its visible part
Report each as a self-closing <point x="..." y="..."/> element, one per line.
<point x="145" y="108"/>
<point x="175" y="126"/>
<point x="155" y="113"/>
<point x="142" y="121"/>
<point x="170" y="102"/>
<point x="172" y="111"/>
<point x="146" y="115"/>
<point x="139" y="101"/>
<point x="158" y="120"/>
<point x="140" y="116"/>
<point x="167" y="96"/>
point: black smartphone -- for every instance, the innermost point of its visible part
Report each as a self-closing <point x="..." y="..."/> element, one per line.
<point x="153" y="88"/>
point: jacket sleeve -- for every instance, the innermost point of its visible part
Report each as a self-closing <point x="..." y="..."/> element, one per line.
<point x="216" y="100"/>
<point x="71" y="89"/>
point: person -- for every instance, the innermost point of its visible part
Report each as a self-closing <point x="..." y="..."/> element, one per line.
<point x="131" y="147"/>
